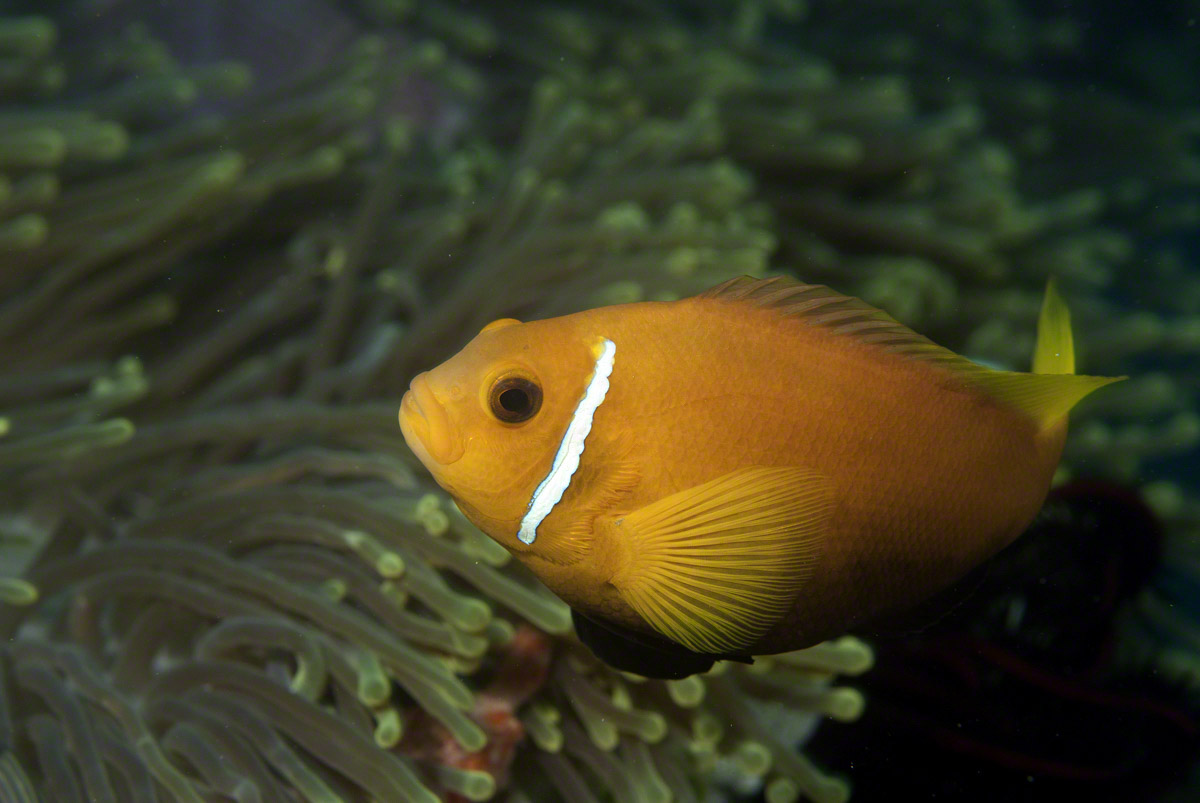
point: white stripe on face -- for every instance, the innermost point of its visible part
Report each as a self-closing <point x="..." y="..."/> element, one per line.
<point x="566" y="460"/>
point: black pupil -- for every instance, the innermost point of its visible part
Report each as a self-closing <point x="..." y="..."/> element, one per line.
<point x="515" y="401"/>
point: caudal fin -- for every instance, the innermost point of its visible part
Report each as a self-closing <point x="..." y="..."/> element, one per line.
<point x="1047" y="394"/>
<point x="1055" y="349"/>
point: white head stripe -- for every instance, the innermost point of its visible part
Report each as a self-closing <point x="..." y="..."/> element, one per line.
<point x="566" y="461"/>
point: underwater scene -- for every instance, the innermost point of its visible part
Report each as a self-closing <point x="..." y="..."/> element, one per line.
<point x="641" y="401"/>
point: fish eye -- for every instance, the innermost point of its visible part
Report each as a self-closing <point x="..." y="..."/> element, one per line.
<point x="515" y="399"/>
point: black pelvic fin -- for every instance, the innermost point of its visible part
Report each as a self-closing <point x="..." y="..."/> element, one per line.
<point x="642" y="653"/>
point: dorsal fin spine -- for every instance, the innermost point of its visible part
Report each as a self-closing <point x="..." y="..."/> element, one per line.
<point x="1045" y="396"/>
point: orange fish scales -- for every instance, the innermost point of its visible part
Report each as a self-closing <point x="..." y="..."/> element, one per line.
<point x="770" y="463"/>
<point x="931" y="476"/>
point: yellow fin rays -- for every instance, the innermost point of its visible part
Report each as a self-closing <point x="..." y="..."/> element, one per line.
<point x="715" y="566"/>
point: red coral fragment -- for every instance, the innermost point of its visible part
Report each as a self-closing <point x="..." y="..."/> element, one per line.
<point x="524" y="667"/>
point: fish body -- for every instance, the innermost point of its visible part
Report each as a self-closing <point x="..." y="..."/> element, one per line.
<point x="752" y="470"/>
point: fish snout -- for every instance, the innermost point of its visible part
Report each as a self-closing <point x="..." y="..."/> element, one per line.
<point x="427" y="426"/>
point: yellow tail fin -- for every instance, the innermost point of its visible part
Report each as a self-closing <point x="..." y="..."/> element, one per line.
<point x="1047" y="394"/>
<point x="1055" y="349"/>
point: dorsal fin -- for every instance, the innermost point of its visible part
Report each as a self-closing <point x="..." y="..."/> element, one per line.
<point x="845" y="315"/>
<point x="1044" y="397"/>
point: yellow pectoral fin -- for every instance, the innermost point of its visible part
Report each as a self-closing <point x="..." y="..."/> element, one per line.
<point x="715" y="566"/>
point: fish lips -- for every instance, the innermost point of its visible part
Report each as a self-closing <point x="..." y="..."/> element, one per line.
<point x="426" y="425"/>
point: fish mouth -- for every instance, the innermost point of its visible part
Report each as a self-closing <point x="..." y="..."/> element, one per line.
<point x="426" y="426"/>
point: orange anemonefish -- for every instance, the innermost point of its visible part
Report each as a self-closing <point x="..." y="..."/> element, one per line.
<point x="752" y="470"/>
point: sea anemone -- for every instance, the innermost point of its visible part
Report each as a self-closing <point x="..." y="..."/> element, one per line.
<point x="226" y="576"/>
